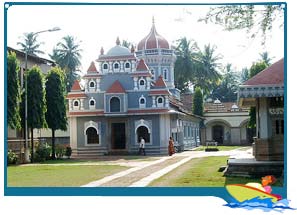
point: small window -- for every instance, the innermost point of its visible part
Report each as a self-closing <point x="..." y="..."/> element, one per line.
<point x="116" y="65"/>
<point x="141" y="83"/>
<point x="153" y="74"/>
<point x="160" y="100"/>
<point x="142" y="101"/>
<point x="165" y="74"/>
<point x="75" y="103"/>
<point x="115" y="104"/>
<point x="92" y="102"/>
<point x="92" y="84"/>
<point x="127" y="65"/>
<point x="105" y="66"/>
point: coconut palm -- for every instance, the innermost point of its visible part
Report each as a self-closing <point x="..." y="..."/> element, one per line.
<point x="207" y="75"/>
<point x="67" y="55"/>
<point x="186" y="62"/>
<point x="30" y="44"/>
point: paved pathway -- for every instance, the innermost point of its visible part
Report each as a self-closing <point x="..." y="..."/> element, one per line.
<point x="144" y="174"/>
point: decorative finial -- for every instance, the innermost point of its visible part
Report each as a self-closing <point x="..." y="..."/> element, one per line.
<point x="118" y="41"/>
<point x="132" y="49"/>
<point x="153" y="20"/>
<point x="102" y="51"/>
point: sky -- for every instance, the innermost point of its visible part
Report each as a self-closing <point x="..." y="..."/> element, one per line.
<point x="99" y="26"/>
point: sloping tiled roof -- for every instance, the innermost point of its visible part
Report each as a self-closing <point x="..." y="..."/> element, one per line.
<point x="76" y="86"/>
<point x="159" y="92"/>
<point x="116" y="87"/>
<point x="160" y="83"/>
<point x="141" y="66"/>
<point x="272" y="75"/>
<point x="76" y="95"/>
<point x="92" y="68"/>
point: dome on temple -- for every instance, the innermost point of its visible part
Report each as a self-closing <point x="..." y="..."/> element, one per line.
<point x="153" y="40"/>
<point x="118" y="50"/>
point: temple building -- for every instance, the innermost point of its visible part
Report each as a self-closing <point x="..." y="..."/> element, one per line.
<point x="128" y="94"/>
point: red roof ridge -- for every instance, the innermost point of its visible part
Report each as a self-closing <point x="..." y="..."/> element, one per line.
<point x="272" y="75"/>
<point x="92" y="67"/>
<point x="76" y="86"/>
<point x="160" y="82"/>
<point x="141" y="66"/>
<point x="116" y="87"/>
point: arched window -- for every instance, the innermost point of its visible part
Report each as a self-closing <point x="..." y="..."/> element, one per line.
<point x="142" y="102"/>
<point x="160" y="102"/>
<point x="127" y="65"/>
<point x="92" y="136"/>
<point x="141" y="84"/>
<point x="115" y="104"/>
<point x="92" y="103"/>
<point x="143" y="132"/>
<point x="92" y="84"/>
<point x="76" y="104"/>
<point x="116" y="66"/>
<point x="105" y="66"/>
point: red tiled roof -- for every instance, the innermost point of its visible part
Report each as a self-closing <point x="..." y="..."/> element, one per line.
<point x="141" y="66"/>
<point x="76" y="95"/>
<point x="159" y="92"/>
<point x="76" y="86"/>
<point x="92" y="68"/>
<point x="160" y="82"/>
<point x="273" y="74"/>
<point x="116" y="87"/>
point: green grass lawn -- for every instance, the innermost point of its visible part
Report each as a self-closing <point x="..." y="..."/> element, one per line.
<point x="56" y="176"/>
<point x="221" y="148"/>
<point x="201" y="172"/>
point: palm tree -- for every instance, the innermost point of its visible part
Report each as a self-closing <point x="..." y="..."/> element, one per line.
<point x="67" y="55"/>
<point x="186" y="63"/>
<point x="207" y="74"/>
<point x="30" y="44"/>
<point x="264" y="57"/>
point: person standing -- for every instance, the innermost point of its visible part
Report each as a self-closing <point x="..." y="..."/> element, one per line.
<point x="141" y="146"/>
<point x="171" y="150"/>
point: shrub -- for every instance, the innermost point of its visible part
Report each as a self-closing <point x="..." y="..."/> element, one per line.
<point x="68" y="151"/>
<point x="60" y="151"/>
<point x="43" y="152"/>
<point x="12" y="158"/>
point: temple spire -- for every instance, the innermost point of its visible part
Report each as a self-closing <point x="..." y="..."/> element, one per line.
<point x="118" y="41"/>
<point x="102" y="51"/>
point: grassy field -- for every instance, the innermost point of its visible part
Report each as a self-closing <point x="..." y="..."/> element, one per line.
<point x="56" y="176"/>
<point x="200" y="172"/>
<point x="221" y="148"/>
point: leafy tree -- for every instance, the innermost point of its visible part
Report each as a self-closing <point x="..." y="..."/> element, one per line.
<point x="254" y="70"/>
<point x="67" y="54"/>
<point x="207" y="75"/>
<point x="55" y="103"/>
<point x="198" y="102"/>
<point x="186" y="63"/>
<point x="227" y="89"/>
<point x="36" y="102"/>
<point x="252" y="18"/>
<point x="13" y="91"/>
<point x="30" y="44"/>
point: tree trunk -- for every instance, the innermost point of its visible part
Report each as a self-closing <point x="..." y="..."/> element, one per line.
<point x="32" y="146"/>
<point x="53" y="145"/>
